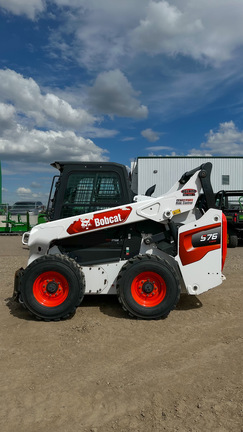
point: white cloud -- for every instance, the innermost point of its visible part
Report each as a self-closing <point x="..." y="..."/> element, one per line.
<point x="161" y="29"/>
<point x="95" y="132"/>
<point x="35" y="185"/>
<point x="151" y="39"/>
<point x="23" y="191"/>
<point x="157" y="39"/>
<point x="208" y="30"/>
<point x="37" y="196"/>
<point x="7" y="113"/>
<point x="26" y="95"/>
<point x="70" y="3"/>
<point x="150" y="135"/>
<point x="128" y="139"/>
<point x="22" y="169"/>
<point x="99" y="31"/>
<point x="20" y="138"/>
<point x="45" y="146"/>
<point x="30" y="8"/>
<point x="158" y="148"/>
<point x="227" y="140"/>
<point x="113" y="94"/>
<point x="107" y="33"/>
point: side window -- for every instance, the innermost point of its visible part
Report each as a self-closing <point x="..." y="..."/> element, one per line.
<point x="107" y="189"/>
<point x="90" y="191"/>
<point x="79" y="189"/>
<point x="225" y="179"/>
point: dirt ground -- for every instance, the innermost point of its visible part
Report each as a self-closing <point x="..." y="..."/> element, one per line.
<point x="101" y="371"/>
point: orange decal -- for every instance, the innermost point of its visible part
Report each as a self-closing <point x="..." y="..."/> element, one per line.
<point x="196" y="243"/>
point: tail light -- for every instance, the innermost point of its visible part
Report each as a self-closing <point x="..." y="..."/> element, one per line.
<point x="224" y="239"/>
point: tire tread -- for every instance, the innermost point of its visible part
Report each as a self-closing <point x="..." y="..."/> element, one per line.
<point x="66" y="260"/>
<point x="153" y="258"/>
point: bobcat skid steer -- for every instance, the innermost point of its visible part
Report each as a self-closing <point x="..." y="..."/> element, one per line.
<point x="146" y="252"/>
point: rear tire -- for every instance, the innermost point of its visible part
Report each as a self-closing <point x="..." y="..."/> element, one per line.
<point x="233" y="241"/>
<point x="52" y="287"/>
<point x="148" y="287"/>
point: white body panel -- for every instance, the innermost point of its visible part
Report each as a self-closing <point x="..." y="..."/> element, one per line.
<point x="199" y="276"/>
<point x="101" y="279"/>
<point x="177" y="205"/>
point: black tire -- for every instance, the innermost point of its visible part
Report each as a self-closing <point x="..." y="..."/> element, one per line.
<point x="233" y="241"/>
<point x="52" y="287"/>
<point x="148" y="287"/>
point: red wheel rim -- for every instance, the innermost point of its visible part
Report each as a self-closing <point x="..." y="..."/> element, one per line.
<point x="50" y="288"/>
<point x="148" y="289"/>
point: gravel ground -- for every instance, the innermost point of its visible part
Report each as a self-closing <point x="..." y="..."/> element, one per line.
<point x="101" y="371"/>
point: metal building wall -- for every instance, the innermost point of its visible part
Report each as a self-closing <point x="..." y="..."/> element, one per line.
<point x="165" y="171"/>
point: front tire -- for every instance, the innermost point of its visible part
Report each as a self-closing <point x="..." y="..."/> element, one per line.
<point x="148" y="287"/>
<point x="52" y="287"/>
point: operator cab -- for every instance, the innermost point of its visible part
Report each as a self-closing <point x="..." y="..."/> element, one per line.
<point x="84" y="187"/>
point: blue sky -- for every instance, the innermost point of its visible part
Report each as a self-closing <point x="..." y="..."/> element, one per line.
<point x="113" y="80"/>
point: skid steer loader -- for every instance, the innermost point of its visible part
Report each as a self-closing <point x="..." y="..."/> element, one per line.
<point x="100" y="239"/>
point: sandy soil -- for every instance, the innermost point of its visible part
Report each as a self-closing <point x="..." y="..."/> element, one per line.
<point x="101" y="371"/>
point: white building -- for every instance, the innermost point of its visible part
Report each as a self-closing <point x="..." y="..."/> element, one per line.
<point x="227" y="172"/>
